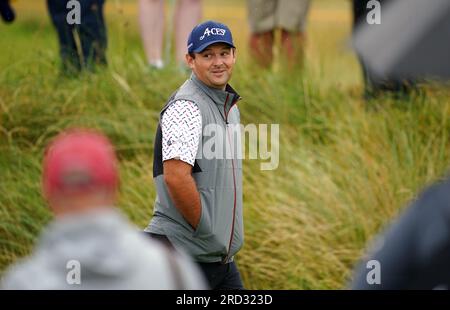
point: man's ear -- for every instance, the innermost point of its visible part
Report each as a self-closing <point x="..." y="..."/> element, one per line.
<point x="190" y="61"/>
<point x="234" y="55"/>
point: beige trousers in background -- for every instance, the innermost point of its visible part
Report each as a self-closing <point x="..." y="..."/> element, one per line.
<point x="266" y="15"/>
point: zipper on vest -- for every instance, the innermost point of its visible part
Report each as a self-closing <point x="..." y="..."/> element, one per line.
<point x="234" y="179"/>
<point x="225" y="109"/>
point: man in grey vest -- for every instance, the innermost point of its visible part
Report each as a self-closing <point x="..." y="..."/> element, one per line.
<point x="198" y="207"/>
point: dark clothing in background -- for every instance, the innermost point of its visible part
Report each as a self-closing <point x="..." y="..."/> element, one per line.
<point x="91" y="32"/>
<point x="414" y="253"/>
<point x="374" y="84"/>
<point x="6" y="11"/>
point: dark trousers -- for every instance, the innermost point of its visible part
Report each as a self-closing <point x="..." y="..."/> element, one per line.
<point x="222" y="276"/>
<point x="6" y="11"/>
<point x="91" y="32"/>
<point x="219" y="276"/>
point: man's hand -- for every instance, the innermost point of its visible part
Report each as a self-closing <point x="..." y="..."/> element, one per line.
<point x="182" y="190"/>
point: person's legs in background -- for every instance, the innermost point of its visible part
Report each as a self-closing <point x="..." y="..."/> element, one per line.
<point x="261" y="14"/>
<point x="291" y="18"/>
<point x="293" y="48"/>
<point x="188" y="14"/>
<point x="92" y="32"/>
<point x="261" y="48"/>
<point x="151" y="22"/>
<point x="6" y="11"/>
<point x="68" y="49"/>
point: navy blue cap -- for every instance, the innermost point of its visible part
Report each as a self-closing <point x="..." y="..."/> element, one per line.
<point x="207" y="33"/>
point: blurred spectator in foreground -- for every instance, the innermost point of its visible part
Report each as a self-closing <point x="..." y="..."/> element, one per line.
<point x="90" y="245"/>
<point x="6" y="11"/>
<point x="266" y="16"/>
<point x="151" y="19"/>
<point x="90" y="33"/>
<point x="415" y="252"/>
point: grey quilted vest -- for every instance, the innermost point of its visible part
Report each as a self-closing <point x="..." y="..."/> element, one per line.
<point x="220" y="232"/>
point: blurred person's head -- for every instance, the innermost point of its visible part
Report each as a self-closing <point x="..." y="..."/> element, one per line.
<point x="80" y="172"/>
<point x="211" y="53"/>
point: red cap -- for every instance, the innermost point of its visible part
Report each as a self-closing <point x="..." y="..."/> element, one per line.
<point x="77" y="161"/>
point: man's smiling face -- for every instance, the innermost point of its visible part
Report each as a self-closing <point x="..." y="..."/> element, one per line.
<point x="214" y="65"/>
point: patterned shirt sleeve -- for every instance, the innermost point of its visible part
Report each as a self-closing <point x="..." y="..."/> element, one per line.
<point x="181" y="126"/>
